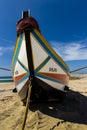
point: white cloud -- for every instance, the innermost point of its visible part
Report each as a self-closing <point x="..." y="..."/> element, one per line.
<point x="71" y="50"/>
<point x="76" y="50"/>
<point x="4" y="50"/>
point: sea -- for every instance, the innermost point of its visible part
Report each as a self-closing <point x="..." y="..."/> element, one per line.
<point x="76" y="64"/>
<point x="6" y="79"/>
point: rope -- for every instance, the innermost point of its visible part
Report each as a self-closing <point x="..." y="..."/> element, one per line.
<point x="5" y="69"/>
<point x="27" y="105"/>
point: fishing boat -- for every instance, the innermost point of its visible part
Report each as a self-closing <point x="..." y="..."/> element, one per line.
<point x="34" y="58"/>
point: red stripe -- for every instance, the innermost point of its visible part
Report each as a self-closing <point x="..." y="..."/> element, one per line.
<point x="17" y="78"/>
<point x="60" y="77"/>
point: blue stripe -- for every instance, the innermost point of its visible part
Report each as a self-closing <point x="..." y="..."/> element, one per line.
<point x="21" y="80"/>
<point x="41" y="65"/>
<point x="17" y="51"/>
<point x="51" y="79"/>
<point x="23" y="66"/>
<point x="49" y="52"/>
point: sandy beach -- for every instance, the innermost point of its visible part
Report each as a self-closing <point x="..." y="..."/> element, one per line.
<point x="68" y="114"/>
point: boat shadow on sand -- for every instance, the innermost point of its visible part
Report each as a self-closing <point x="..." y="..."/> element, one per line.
<point x="72" y="108"/>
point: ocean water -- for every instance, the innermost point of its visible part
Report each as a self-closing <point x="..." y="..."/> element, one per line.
<point x="6" y="79"/>
<point x="76" y="64"/>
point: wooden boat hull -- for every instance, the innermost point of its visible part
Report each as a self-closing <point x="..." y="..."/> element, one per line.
<point x="35" y="59"/>
<point x="46" y="68"/>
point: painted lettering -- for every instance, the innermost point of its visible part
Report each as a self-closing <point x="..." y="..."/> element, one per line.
<point x="52" y="69"/>
<point x="16" y="72"/>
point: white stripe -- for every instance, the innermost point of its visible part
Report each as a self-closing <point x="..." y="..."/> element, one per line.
<point x="21" y="85"/>
<point x="58" y="86"/>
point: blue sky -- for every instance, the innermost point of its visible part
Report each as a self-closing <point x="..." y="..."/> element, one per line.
<point x="62" y="22"/>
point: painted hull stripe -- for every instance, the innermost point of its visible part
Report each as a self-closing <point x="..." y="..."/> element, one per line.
<point x="50" y="48"/>
<point x="17" y="41"/>
<point x="49" y="52"/>
<point x="15" y="56"/>
<point x="23" y="66"/>
<point x="19" y="77"/>
<point x="43" y="64"/>
<point x="25" y="77"/>
<point x="51" y="79"/>
<point x="61" y="77"/>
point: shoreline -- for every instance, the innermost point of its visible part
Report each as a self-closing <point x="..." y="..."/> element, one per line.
<point x="68" y="114"/>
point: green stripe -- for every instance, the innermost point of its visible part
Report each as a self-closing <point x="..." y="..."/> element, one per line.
<point x="15" y="57"/>
<point x="22" y="66"/>
<point x="43" y="63"/>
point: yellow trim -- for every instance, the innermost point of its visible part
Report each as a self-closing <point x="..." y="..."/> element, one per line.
<point x="53" y="73"/>
<point x="14" y="53"/>
<point x="51" y="49"/>
<point x="32" y="51"/>
<point x="16" y="46"/>
<point x="48" y="72"/>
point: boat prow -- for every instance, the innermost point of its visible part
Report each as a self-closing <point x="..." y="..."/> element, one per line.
<point x="34" y="57"/>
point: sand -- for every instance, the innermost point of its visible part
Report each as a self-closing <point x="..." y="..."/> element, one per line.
<point x="69" y="113"/>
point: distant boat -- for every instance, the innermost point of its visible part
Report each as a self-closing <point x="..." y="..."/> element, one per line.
<point x="34" y="58"/>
